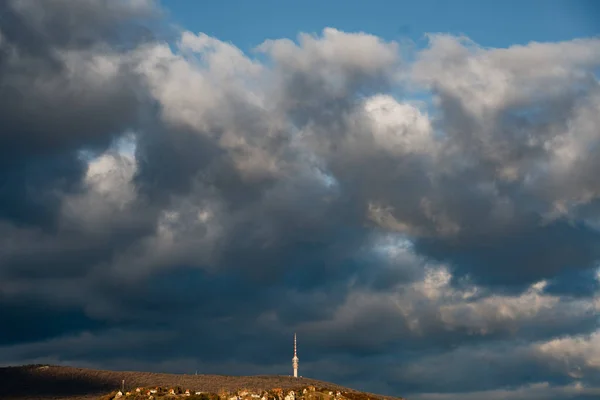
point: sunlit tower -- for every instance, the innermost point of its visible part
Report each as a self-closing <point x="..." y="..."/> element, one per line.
<point x="295" y="359"/>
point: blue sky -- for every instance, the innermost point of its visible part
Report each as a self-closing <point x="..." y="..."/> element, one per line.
<point x="489" y="23"/>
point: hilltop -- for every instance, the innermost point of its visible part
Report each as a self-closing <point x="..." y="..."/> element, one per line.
<point x="59" y="382"/>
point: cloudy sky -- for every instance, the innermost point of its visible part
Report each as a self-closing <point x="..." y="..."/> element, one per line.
<point x="412" y="188"/>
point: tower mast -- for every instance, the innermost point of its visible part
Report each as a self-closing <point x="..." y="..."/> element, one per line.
<point x="295" y="359"/>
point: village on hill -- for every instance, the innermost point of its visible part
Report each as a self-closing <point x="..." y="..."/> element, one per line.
<point x="305" y="393"/>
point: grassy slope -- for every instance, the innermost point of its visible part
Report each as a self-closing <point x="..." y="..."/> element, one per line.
<point x="55" y="382"/>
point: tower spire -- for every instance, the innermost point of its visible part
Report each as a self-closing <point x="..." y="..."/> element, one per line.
<point x="295" y="359"/>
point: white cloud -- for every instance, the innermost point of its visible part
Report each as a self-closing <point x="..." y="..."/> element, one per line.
<point x="400" y="127"/>
<point x="433" y="304"/>
<point x="109" y="190"/>
<point x="336" y="55"/>
<point x="488" y="81"/>
<point x="580" y="351"/>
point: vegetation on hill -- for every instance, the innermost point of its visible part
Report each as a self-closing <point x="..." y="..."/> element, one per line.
<point x="56" y="382"/>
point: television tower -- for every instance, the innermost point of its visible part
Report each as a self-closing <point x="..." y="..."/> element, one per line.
<point x="295" y="359"/>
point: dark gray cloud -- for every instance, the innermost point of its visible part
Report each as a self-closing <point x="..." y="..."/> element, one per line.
<point x="178" y="206"/>
<point x="64" y="85"/>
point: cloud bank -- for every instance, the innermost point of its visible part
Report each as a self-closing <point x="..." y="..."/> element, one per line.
<point x="429" y="227"/>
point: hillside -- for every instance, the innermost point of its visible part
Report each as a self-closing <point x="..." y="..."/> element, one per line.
<point x="57" y="382"/>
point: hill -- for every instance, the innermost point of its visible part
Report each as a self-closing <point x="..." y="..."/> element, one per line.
<point x="58" y="382"/>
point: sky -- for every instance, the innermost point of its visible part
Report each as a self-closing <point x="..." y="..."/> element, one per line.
<point x="411" y="187"/>
<point x="489" y="23"/>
